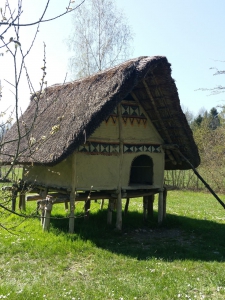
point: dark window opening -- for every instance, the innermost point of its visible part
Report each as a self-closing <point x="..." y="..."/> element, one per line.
<point x="141" y="170"/>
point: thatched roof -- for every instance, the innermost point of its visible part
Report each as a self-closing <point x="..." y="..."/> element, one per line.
<point x="65" y="115"/>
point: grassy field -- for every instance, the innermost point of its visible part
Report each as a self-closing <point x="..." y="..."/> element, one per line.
<point x="182" y="259"/>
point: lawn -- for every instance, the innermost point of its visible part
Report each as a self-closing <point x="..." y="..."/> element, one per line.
<point x="182" y="259"/>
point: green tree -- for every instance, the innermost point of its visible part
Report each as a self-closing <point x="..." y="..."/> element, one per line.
<point x="210" y="138"/>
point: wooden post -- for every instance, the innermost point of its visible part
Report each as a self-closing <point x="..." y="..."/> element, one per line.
<point x="151" y="199"/>
<point x="160" y="207"/>
<point x="119" y="212"/>
<point x="126" y="206"/>
<point x="110" y="210"/>
<point x="72" y="209"/>
<point x="66" y="205"/>
<point x="145" y="207"/>
<point x="164" y="202"/>
<point x="119" y="195"/>
<point x="102" y="204"/>
<point x="87" y="206"/>
<point x="22" y="202"/>
<point x="22" y="188"/>
<point x="72" y="195"/>
<point x="41" y="207"/>
<point x="14" y="195"/>
<point x="47" y="215"/>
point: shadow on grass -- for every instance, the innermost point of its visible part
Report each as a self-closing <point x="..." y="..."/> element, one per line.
<point x="178" y="238"/>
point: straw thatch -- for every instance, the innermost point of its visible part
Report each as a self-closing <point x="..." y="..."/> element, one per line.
<point x="65" y="115"/>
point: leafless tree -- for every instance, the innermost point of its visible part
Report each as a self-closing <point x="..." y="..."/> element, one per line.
<point x="219" y="88"/>
<point x="11" y="28"/>
<point x="101" y="38"/>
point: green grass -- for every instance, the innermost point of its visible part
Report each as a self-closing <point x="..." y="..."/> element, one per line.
<point x="182" y="259"/>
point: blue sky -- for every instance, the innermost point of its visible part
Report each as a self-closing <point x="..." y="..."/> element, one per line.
<point x="189" y="33"/>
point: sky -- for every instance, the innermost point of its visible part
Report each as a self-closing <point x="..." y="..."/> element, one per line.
<point x="189" y="33"/>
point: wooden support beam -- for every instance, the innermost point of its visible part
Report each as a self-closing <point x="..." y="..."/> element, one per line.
<point x="22" y="202"/>
<point x="47" y="215"/>
<point x="120" y="172"/>
<point x="72" y="212"/>
<point x="41" y="208"/>
<point x="66" y="205"/>
<point x="110" y="210"/>
<point x="151" y="199"/>
<point x="160" y="207"/>
<point x="164" y="202"/>
<point x="87" y="207"/>
<point x="102" y="204"/>
<point x="14" y="195"/>
<point x="126" y="206"/>
<point x="145" y="207"/>
<point x="72" y="195"/>
<point x="119" y="212"/>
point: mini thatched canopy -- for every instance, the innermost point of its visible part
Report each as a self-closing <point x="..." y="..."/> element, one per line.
<point x="65" y="115"/>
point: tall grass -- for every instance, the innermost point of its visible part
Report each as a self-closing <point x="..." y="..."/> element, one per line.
<point x="182" y="259"/>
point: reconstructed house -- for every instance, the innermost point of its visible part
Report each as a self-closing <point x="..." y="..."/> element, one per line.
<point x="113" y="133"/>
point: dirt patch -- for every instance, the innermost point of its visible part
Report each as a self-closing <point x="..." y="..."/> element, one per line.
<point x="157" y="235"/>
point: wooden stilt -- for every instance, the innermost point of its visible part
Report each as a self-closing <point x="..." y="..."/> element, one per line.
<point x="110" y="210"/>
<point x="47" y="215"/>
<point x="41" y="207"/>
<point x="14" y="195"/>
<point x="160" y="207"/>
<point x="126" y="206"/>
<point x="66" y="205"/>
<point x="72" y="195"/>
<point x="22" y="202"/>
<point x="102" y="204"/>
<point x="119" y="212"/>
<point x="72" y="209"/>
<point x="164" y="202"/>
<point x="145" y="207"/>
<point x="87" y="206"/>
<point x="151" y="199"/>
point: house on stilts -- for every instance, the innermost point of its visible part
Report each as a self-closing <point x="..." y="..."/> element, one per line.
<point x="113" y="133"/>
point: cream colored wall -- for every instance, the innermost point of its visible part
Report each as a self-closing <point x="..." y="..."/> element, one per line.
<point x="140" y="133"/>
<point x="99" y="171"/>
<point x="106" y="131"/>
<point x="102" y="171"/>
<point x="56" y="176"/>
